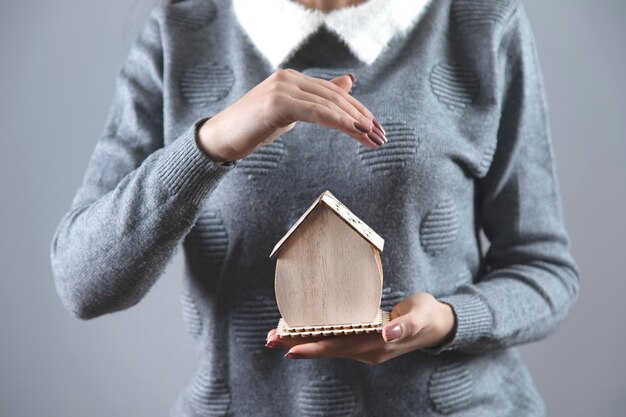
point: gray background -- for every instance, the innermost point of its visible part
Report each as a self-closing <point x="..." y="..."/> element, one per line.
<point x="59" y="60"/>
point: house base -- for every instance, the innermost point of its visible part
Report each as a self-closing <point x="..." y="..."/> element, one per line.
<point x="382" y="318"/>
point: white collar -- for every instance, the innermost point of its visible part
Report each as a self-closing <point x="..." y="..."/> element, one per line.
<point x="279" y="27"/>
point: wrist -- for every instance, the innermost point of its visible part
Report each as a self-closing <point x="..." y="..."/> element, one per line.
<point x="206" y="141"/>
<point x="445" y="322"/>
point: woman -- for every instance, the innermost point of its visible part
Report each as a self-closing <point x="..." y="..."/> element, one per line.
<point x="443" y="136"/>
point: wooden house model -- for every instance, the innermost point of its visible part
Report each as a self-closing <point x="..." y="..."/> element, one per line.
<point x="329" y="274"/>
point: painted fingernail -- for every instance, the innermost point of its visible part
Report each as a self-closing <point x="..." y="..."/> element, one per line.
<point x="375" y="138"/>
<point x="290" y="355"/>
<point x="378" y="125"/>
<point x="352" y="76"/>
<point x="272" y="344"/>
<point x="393" y="333"/>
<point x="362" y="127"/>
<point x="380" y="133"/>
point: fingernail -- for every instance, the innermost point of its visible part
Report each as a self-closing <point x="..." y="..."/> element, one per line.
<point x="380" y="133"/>
<point x="393" y="333"/>
<point x="374" y="137"/>
<point x="361" y="127"/>
<point x="290" y="355"/>
<point x="378" y="125"/>
<point x="352" y="76"/>
<point x="272" y="344"/>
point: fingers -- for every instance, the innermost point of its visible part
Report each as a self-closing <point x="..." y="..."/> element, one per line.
<point x="333" y="87"/>
<point x="320" y="349"/>
<point x="345" y="81"/>
<point x="367" y="348"/>
<point x="270" y="334"/>
<point x="334" y="101"/>
<point x="319" y="113"/>
<point x="377" y="127"/>
<point x="407" y="318"/>
<point x="340" y="120"/>
<point x="347" y="346"/>
<point x="333" y="92"/>
<point x="404" y="327"/>
<point x="417" y="321"/>
<point x="274" y="341"/>
<point x="351" y="116"/>
<point x="325" y="346"/>
<point x="338" y="96"/>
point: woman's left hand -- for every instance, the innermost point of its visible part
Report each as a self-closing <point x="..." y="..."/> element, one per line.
<point x="419" y="321"/>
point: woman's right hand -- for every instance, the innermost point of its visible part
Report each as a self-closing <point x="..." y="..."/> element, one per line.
<point x="273" y="107"/>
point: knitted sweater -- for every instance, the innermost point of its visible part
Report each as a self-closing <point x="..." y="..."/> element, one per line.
<point x="461" y="97"/>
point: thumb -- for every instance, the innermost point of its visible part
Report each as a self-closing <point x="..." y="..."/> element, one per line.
<point x="345" y="81"/>
<point x="406" y="323"/>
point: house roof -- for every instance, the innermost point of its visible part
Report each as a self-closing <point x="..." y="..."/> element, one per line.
<point x="343" y="213"/>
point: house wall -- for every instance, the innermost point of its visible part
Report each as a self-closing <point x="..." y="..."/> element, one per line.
<point x="326" y="273"/>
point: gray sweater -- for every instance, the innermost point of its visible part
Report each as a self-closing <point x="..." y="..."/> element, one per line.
<point x="461" y="96"/>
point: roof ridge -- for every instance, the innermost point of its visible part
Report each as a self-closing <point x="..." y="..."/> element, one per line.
<point x="344" y="213"/>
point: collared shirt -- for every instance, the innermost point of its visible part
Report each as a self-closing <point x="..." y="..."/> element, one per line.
<point x="462" y="101"/>
<point x="278" y="28"/>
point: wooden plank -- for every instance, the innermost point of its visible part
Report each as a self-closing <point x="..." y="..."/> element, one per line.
<point x="382" y="318"/>
<point x="327" y="274"/>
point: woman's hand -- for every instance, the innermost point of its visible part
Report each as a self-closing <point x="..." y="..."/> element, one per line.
<point x="419" y="321"/>
<point x="272" y="108"/>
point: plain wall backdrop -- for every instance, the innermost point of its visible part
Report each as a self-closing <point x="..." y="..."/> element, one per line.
<point x="59" y="61"/>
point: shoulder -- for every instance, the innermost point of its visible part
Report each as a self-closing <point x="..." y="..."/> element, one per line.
<point x="189" y="31"/>
<point x="187" y="15"/>
<point x="475" y="28"/>
<point x="479" y="24"/>
<point x="478" y="36"/>
<point x="477" y="14"/>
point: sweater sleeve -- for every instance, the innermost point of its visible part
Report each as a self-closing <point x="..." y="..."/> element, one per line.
<point x="138" y="198"/>
<point x="531" y="280"/>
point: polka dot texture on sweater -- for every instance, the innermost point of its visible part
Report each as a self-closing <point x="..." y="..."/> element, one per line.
<point x="252" y="319"/>
<point x="400" y="149"/>
<point x="440" y="227"/>
<point x="454" y="85"/>
<point x="191" y="315"/>
<point x="208" y="395"/>
<point x="206" y="83"/>
<point x="486" y="159"/>
<point x="263" y="159"/>
<point x="391" y="298"/>
<point x="450" y="388"/>
<point x="327" y="397"/>
<point x="481" y="12"/>
<point x="192" y="16"/>
<point x="207" y="241"/>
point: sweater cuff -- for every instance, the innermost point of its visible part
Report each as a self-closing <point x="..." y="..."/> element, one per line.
<point x="473" y="322"/>
<point x="186" y="170"/>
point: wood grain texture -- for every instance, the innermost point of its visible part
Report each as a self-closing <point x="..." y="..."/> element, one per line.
<point x="352" y="220"/>
<point x="344" y="213"/>
<point x="327" y="274"/>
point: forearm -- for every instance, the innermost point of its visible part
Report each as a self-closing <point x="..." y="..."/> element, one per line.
<point x="107" y="252"/>
<point x="511" y="307"/>
<point x="531" y="279"/>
